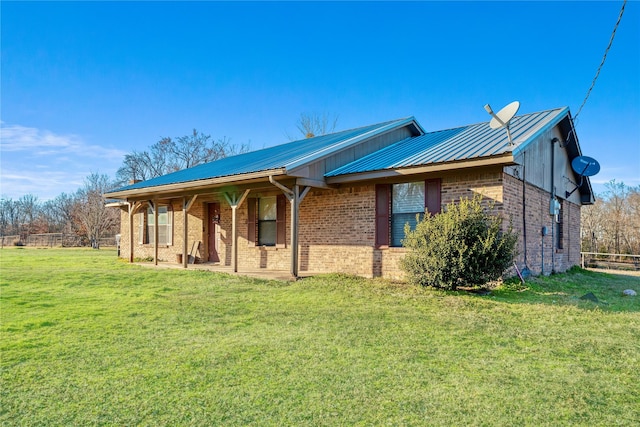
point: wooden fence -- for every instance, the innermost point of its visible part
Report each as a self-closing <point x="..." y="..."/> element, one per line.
<point x="53" y="240"/>
<point x="612" y="261"/>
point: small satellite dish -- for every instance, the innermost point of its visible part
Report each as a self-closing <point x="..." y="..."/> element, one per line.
<point x="503" y="118"/>
<point x="585" y="166"/>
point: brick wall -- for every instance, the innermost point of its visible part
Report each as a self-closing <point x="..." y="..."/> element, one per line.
<point x="542" y="256"/>
<point x="337" y="229"/>
<point x="165" y="252"/>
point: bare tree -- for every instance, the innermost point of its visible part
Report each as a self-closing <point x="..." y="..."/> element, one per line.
<point x="9" y="218"/>
<point x="58" y="213"/>
<point x="140" y="166"/>
<point x="170" y="155"/>
<point x="612" y="223"/>
<point x="314" y="124"/>
<point x="592" y="226"/>
<point x="616" y="196"/>
<point x="28" y="212"/>
<point x="634" y="220"/>
<point x="93" y="219"/>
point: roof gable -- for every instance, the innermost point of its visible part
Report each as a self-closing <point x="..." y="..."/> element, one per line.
<point x="284" y="157"/>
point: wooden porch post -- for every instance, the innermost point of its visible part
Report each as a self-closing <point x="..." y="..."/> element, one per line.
<point x="131" y="211"/>
<point x="234" y="239"/>
<point x="234" y="203"/>
<point x="155" y="232"/>
<point x="295" y="197"/>
<point x="296" y="200"/>
<point x="185" y="228"/>
<point x="295" y="204"/>
<point x="186" y="205"/>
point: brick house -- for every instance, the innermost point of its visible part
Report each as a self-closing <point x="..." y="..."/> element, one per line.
<point x="339" y="202"/>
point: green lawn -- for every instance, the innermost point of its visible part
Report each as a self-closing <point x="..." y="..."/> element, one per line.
<point x="89" y="340"/>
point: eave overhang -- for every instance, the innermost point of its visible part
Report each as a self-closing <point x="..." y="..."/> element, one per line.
<point x="505" y="159"/>
<point x="194" y="187"/>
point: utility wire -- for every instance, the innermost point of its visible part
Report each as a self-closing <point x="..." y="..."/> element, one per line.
<point x="593" y="83"/>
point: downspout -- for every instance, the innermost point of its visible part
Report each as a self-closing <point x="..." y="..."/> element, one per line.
<point x="288" y="192"/>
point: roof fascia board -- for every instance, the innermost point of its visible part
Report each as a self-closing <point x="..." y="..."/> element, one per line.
<point x="340" y="146"/>
<point x="502" y="160"/>
<point x="552" y="122"/>
<point x="183" y="187"/>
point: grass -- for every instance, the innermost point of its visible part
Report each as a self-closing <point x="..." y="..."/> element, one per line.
<point x="90" y="340"/>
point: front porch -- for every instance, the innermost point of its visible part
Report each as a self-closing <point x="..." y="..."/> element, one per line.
<point x="258" y="273"/>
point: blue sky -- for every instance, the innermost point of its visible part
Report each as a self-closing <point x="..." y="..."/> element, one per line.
<point x="83" y="83"/>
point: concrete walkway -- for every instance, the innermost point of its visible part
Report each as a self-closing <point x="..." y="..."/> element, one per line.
<point x="259" y="273"/>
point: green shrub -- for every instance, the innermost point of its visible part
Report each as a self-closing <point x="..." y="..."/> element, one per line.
<point x="462" y="246"/>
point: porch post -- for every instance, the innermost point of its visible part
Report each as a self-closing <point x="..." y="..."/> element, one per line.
<point x="155" y="232"/>
<point x="186" y="206"/>
<point x="294" y="230"/>
<point x="296" y="200"/>
<point x="185" y="234"/>
<point x="131" y="211"/>
<point x="234" y="203"/>
<point x="234" y="241"/>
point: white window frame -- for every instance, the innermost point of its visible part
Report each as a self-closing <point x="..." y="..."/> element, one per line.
<point x="146" y="226"/>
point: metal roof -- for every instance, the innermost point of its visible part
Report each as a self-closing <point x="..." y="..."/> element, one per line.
<point x="463" y="143"/>
<point x="285" y="156"/>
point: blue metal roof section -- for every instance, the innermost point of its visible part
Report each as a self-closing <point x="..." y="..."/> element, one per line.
<point x="285" y="156"/>
<point x="458" y="144"/>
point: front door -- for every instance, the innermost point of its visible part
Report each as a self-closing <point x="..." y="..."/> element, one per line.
<point x="214" y="231"/>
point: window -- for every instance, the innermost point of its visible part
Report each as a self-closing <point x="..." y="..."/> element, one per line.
<point x="407" y="201"/>
<point x="165" y="226"/>
<point x="398" y="204"/>
<point x="266" y="221"/>
<point x="267" y="215"/>
<point x="560" y="228"/>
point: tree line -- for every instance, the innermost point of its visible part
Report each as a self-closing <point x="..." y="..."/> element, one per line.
<point x="83" y="217"/>
<point x="612" y="223"/>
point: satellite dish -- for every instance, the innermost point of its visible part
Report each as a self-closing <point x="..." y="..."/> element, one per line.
<point x="583" y="166"/>
<point x="504" y="116"/>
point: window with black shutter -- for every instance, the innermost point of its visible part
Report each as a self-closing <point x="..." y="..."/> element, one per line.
<point x="266" y="221"/>
<point x="403" y="203"/>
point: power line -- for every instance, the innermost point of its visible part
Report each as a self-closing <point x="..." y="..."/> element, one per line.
<point x="593" y="83"/>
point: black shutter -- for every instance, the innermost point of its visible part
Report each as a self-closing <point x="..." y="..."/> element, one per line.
<point x="432" y="195"/>
<point x="281" y="221"/>
<point x="251" y="221"/>
<point x="382" y="214"/>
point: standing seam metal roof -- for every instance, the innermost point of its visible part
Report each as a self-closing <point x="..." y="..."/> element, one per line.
<point x="463" y="143"/>
<point x="289" y="155"/>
